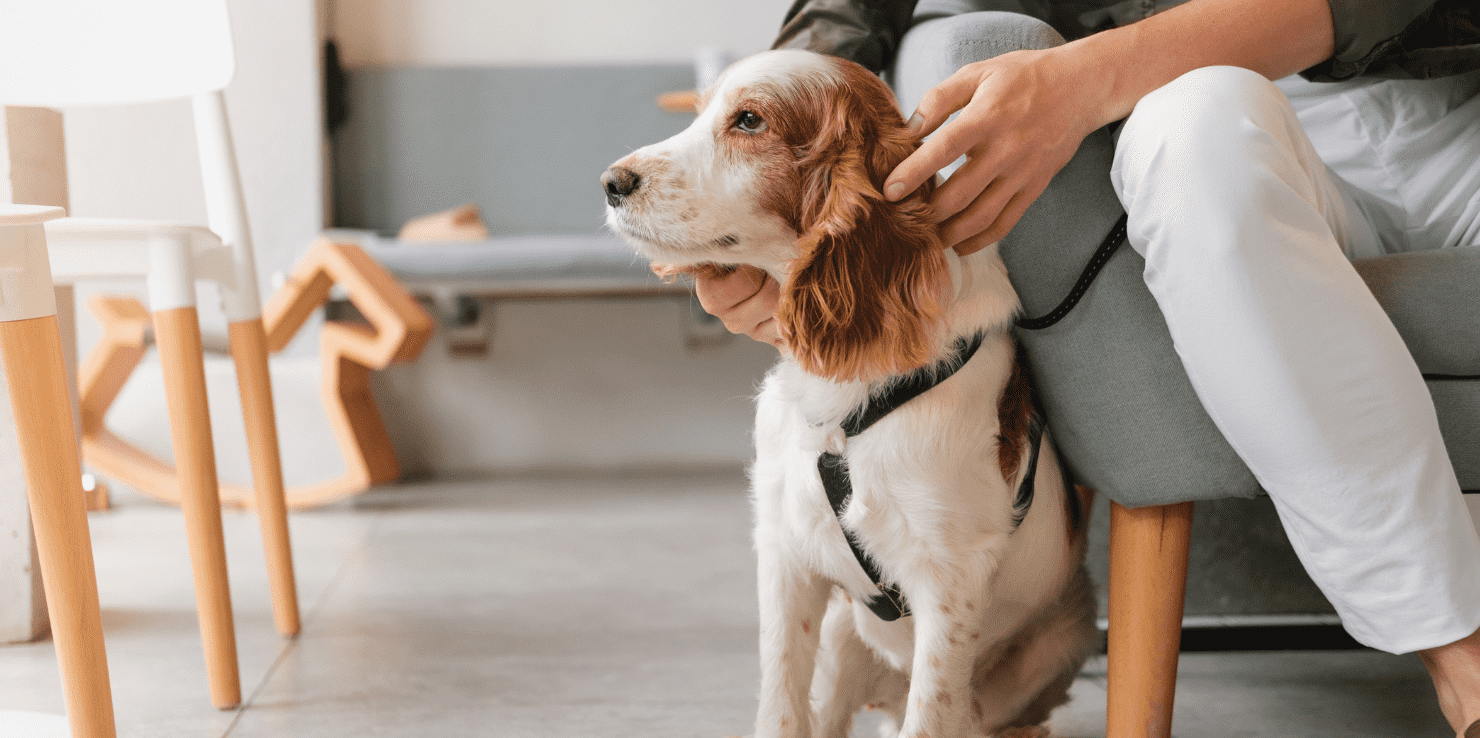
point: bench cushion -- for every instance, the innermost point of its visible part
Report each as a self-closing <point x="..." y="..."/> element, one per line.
<point x="544" y="264"/>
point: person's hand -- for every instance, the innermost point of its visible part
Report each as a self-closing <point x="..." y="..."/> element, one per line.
<point x="1023" y="115"/>
<point x="744" y="299"/>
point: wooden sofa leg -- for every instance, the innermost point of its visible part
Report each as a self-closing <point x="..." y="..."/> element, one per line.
<point x="1148" y="583"/>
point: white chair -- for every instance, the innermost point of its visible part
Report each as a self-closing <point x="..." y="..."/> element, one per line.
<point x="31" y="351"/>
<point x="68" y="53"/>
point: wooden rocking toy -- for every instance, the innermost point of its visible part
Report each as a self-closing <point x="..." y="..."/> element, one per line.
<point x="398" y="330"/>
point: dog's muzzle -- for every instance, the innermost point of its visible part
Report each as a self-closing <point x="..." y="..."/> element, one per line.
<point x="619" y="183"/>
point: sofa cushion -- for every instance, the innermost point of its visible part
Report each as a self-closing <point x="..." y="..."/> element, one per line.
<point x="1457" y="402"/>
<point x="1433" y="298"/>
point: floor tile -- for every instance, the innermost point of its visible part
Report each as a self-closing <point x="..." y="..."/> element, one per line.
<point x="609" y="607"/>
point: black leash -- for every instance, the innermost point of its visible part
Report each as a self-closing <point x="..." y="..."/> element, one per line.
<point x="1096" y="263"/>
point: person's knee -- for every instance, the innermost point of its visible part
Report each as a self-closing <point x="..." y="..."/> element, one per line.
<point x="1210" y="126"/>
<point x="1200" y="114"/>
<point x="959" y="40"/>
<point x="934" y="49"/>
<point x="1202" y="144"/>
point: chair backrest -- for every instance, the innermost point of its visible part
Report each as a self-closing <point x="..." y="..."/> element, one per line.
<point x="59" y="53"/>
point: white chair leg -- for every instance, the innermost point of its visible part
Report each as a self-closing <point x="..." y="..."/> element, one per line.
<point x="31" y="353"/>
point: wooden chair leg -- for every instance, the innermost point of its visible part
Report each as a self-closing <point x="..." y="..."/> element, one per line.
<point x="31" y="350"/>
<point x="1148" y="583"/>
<point x="177" y="335"/>
<point x="249" y="351"/>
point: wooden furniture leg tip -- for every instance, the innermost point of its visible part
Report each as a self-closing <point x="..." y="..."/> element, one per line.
<point x="95" y="493"/>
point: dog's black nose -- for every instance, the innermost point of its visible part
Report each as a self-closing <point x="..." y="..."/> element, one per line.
<point x="619" y="182"/>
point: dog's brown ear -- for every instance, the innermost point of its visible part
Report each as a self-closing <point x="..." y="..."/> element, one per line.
<point x="863" y="293"/>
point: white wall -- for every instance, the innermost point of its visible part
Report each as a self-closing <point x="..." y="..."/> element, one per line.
<point x="547" y="32"/>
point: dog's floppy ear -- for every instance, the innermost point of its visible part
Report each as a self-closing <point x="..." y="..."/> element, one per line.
<point x="863" y="292"/>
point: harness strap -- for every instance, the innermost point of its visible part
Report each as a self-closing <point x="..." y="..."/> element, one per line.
<point x="889" y="603"/>
<point x="912" y="385"/>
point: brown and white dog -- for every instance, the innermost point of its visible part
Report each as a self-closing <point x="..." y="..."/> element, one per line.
<point x="782" y="171"/>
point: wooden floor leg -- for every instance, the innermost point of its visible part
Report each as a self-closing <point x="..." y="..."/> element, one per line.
<point x="249" y="351"/>
<point x="1148" y="583"/>
<point x="32" y="355"/>
<point x="177" y="335"/>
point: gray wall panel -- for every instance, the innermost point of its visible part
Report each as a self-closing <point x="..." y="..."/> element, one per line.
<point x="526" y="144"/>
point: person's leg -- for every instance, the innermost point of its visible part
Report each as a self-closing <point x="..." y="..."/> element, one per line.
<point x="1243" y="231"/>
<point x="1420" y="173"/>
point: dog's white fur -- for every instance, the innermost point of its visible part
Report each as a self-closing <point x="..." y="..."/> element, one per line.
<point x="1002" y="617"/>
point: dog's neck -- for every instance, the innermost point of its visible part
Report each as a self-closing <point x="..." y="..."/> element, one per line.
<point x="978" y="298"/>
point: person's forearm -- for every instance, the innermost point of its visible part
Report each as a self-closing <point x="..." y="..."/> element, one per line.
<point x="1272" y="38"/>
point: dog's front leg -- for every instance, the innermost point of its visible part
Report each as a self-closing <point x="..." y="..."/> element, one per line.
<point x="946" y="643"/>
<point x="792" y="603"/>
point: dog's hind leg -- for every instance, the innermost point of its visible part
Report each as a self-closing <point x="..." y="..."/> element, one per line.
<point x="849" y="675"/>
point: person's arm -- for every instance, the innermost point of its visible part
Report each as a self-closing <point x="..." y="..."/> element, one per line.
<point x="1024" y="114"/>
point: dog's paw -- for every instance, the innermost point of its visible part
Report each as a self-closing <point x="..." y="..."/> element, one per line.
<point x="1032" y="731"/>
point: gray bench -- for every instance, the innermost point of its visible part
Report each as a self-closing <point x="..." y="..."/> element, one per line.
<point x="459" y="278"/>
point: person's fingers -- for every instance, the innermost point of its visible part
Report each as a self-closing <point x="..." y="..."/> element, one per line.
<point x="756" y="316"/>
<point x="769" y="332"/>
<point x="979" y="215"/>
<point x="973" y="244"/>
<point x="745" y="302"/>
<point x="939" y="102"/>
<point x="941" y="149"/>
<point x="964" y="187"/>
<point x="971" y="240"/>
<point x="721" y="293"/>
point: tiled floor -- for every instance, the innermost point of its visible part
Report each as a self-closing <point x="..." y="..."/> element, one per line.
<point x="560" y="609"/>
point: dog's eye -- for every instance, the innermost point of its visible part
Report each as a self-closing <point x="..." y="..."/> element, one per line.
<point x="749" y="122"/>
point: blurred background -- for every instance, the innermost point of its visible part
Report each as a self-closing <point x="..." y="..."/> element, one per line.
<point x="514" y="106"/>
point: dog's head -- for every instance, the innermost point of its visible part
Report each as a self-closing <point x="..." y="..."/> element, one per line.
<point x="783" y="170"/>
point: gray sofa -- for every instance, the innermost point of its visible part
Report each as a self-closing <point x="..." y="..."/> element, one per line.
<point x="1129" y="425"/>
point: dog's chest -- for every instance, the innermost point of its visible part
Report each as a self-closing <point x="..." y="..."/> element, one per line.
<point x="916" y="477"/>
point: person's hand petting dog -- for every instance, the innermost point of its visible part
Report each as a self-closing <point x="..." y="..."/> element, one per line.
<point x="1023" y="115"/>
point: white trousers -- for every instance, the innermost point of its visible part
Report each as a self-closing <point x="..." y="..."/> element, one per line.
<point x="1246" y="233"/>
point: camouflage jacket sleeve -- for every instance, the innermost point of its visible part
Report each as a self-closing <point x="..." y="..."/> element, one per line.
<point x="1401" y="39"/>
<point x="865" y="31"/>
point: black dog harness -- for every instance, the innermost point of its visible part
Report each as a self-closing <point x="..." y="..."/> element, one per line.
<point x="889" y="604"/>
